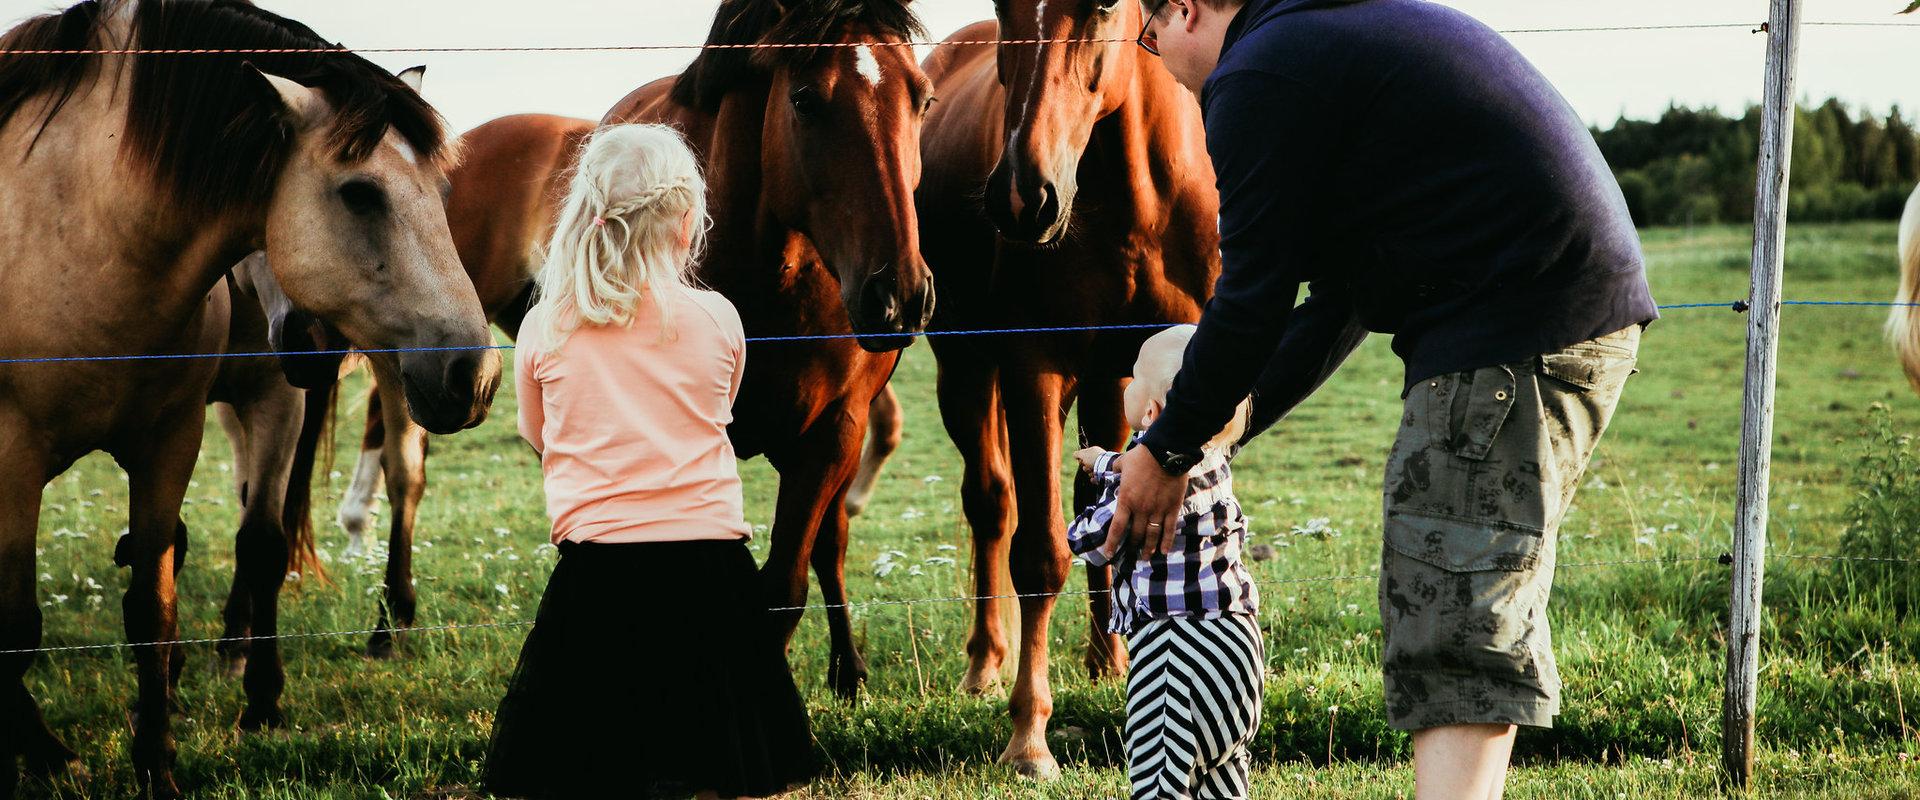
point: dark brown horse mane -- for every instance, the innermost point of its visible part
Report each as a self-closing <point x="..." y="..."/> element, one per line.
<point x="199" y="121"/>
<point x="717" y="71"/>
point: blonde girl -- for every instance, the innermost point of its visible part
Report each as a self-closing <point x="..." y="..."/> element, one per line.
<point x="649" y="671"/>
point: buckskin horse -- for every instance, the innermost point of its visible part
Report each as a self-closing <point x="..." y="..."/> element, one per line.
<point x="1099" y="209"/>
<point x="132" y="185"/>
<point x="811" y="155"/>
<point x="501" y="204"/>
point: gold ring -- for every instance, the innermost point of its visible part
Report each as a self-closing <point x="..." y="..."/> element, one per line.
<point x="1153" y="524"/>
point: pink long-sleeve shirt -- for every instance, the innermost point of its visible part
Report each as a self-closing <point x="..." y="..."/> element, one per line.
<point x="632" y="430"/>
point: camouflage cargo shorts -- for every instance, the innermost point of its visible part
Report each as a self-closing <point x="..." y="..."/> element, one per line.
<point x="1483" y="469"/>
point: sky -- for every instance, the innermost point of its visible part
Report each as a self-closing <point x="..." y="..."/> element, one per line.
<point x="1603" y="74"/>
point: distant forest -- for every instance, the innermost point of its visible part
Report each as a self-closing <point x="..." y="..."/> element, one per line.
<point x="1695" y="167"/>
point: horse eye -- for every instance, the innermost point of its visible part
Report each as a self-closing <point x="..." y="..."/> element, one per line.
<point x="806" y="101"/>
<point x="362" y="197"/>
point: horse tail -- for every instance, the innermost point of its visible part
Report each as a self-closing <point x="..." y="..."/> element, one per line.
<point x="1902" y="326"/>
<point x="316" y="438"/>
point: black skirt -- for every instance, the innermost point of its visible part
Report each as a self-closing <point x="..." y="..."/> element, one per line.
<point x="651" y="671"/>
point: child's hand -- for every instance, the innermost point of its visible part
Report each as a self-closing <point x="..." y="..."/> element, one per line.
<point x="1086" y="456"/>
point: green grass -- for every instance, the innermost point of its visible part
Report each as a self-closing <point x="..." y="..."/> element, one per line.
<point x="1640" y="645"/>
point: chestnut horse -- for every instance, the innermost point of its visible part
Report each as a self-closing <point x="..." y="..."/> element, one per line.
<point x="811" y="156"/>
<point x="1902" y="327"/>
<point x="1037" y="128"/>
<point x="506" y="193"/>
<point x="132" y="185"/>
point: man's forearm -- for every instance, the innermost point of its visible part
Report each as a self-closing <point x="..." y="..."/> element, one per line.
<point x="1323" y="332"/>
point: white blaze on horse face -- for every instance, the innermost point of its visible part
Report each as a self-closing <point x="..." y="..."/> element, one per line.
<point x="866" y="64"/>
<point x="406" y="150"/>
<point x="356" y="507"/>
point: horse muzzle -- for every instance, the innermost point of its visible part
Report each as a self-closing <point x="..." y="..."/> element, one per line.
<point x="449" y="390"/>
<point x="887" y="315"/>
<point x="1027" y="210"/>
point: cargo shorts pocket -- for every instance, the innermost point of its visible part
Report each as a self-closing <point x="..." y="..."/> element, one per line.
<point x="1479" y="406"/>
<point x="1457" y="545"/>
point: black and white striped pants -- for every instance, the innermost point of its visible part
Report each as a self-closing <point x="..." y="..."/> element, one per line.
<point x="1193" y="704"/>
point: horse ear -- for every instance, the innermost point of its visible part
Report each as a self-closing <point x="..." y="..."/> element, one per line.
<point x="412" y="76"/>
<point x="294" y="100"/>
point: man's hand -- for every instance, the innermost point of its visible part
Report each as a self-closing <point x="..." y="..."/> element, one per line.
<point x="1147" y="508"/>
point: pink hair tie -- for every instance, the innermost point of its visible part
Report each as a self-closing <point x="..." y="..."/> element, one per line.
<point x="599" y="222"/>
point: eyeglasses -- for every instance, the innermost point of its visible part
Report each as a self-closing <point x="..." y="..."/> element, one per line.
<point x="1148" y="43"/>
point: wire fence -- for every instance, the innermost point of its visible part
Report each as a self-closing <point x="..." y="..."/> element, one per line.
<point x="1751" y="27"/>
<point x="1724" y="558"/>
<point x="1734" y="305"/>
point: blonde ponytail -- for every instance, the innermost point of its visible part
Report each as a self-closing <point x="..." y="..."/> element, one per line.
<point x="622" y="236"/>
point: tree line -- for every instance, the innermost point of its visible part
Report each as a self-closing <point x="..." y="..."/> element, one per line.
<point x="1696" y="166"/>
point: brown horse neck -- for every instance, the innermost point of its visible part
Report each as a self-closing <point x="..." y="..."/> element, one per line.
<point x="141" y="249"/>
<point x="747" y="234"/>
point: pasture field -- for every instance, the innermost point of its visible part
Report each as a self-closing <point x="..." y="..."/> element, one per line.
<point x="1639" y="643"/>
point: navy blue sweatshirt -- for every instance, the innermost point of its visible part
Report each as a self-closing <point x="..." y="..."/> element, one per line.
<point x="1422" y="179"/>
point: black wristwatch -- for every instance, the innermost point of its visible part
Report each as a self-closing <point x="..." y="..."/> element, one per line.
<point x="1173" y="463"/>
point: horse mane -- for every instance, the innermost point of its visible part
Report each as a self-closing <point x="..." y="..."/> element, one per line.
<point x="717" y="71"/>
<point x="199" y="123"/>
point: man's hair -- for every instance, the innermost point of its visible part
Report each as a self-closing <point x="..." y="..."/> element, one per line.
<point x="1153" y="6"/>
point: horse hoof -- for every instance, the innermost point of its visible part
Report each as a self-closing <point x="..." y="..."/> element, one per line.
<point x="981" y="684"/>
<point x="1101" y="669"/>
<point x="845" y="674"/>
<point x="846" y="684"/>
<point x="54" y="763"/>
<point x="1043" y="768"/>
<point x="162" y="788"/>
<point x="251" y="720"/>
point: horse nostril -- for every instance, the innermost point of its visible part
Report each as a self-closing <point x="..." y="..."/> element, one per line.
<point x="1047" y="210"/>
<point x="880" y="300"/>
<point x="463" y="370"/>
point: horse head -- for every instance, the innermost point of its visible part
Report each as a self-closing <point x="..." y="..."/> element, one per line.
<point x="357" y="238"/>
<point x="1055" y="91"/>
<point x="840" y="147"/>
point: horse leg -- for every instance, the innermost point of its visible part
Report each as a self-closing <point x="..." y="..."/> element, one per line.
<point x="23" y="732"/>
<point x="356" y="508"/>
<point x="813" y="478"/>
<point x="970" y="410"/>
<point x="157" y="480"/>
<point x="884" y="423"/>
<point x="846" y="666"/>
<point x="272" y="416"/>
<point x="238" y="613"/>
<point x="405" y="460"/>
<point x="1103" y="417"/>
<point x="1037" y="556"/>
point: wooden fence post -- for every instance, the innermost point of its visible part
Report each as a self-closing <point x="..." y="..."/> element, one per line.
<point x="1756" y="430"/>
